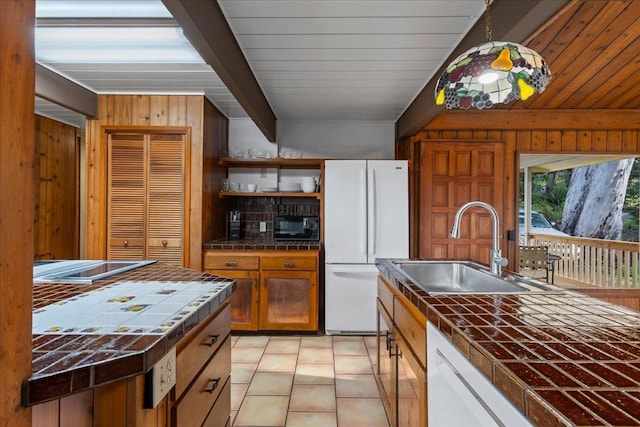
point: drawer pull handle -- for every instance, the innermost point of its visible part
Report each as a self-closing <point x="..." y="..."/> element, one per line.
<point x="215" y="382"/>
<point x="125" y="243"/>
<point x="212" y="340"/>
<point x="164" y="243"/>
<point x="231" y="263"/>
<point x="289" y="263"/>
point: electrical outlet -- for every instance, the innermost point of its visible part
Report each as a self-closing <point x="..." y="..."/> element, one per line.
<point x="263" y="226"/>
<point x="160" y="379"/>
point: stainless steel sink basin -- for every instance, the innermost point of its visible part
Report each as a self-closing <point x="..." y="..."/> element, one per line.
<point x="464" y="277"/>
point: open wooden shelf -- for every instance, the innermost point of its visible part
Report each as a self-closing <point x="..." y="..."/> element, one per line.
<point x="277" y="162"/>
<point x="224" y="194"/>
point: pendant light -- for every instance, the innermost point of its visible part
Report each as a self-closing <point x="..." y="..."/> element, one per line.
<point x="492" y="73"/>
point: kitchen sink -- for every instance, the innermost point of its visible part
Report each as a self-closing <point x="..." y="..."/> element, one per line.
<point x="464" y="277"/>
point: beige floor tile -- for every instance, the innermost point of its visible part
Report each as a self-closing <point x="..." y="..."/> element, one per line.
<point x="347" y="338"/>
<point x="315" y="355"/>
<point x="252" y="341"/>
<point x="356" y="386"/>
<point x="263" y="411"/>
<point x="270" y="384"/>
<point x="233" y="417"/>
<point x="283" y="346"/>
<point x="311" y="419"/>
<point x="285" y="338"/>
<point x="323" y="341"/>
<point x="246" y="354"/>
<point x="358" y="412"/>
<point x="349" y="348"/>
<point x="307" y="373"/>
<point x="278" y="363"/>
<point x="355" y="365"/>
<point x="313" y="398"/>
<point x="371" y="342"/>
<point x="242" y="372"/>
<point x="238" y="392"/>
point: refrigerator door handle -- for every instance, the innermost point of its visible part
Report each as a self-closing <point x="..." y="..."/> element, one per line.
<point x="363" y="205"/>
<point x="371" y="188"/>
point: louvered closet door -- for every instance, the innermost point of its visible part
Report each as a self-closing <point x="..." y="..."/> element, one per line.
<point x="126" y="197"/>
<point x="166" y="195"/>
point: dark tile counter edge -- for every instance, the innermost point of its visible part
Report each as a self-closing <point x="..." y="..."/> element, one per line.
<point x="261" y="245"/>
<point x="531" y="405"/>
<point x="44" y="388"/>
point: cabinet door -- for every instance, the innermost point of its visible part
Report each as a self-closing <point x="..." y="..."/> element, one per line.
<point x="289" y="300"/>
<point x="244" y="300"/>
<point x="126" y="197"/>
<point x="411" y="387"/>
<point x="384" y="360"/>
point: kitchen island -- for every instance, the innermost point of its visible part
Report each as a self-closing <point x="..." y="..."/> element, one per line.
<point x="560" y="358"/>
<point x="94" y="343"/>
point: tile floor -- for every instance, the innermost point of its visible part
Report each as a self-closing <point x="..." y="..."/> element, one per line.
<point x="293" y="381"/>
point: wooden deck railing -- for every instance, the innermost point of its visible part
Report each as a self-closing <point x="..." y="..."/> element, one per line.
<point x="593" y="262"/>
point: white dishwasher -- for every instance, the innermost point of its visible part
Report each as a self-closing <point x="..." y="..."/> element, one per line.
<point x="464" y="396"/>
<point x="350" y="299"/>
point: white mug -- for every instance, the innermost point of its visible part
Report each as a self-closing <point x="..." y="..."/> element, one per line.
<point x="251" y="188"/>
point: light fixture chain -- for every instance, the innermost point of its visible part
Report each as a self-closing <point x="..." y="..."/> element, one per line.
<point x="487" y="20"/>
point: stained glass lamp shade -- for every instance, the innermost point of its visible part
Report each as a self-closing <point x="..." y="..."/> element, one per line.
<point x="492" y="73"/>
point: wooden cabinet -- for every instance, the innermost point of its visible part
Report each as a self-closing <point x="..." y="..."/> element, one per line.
<point x="146" y="195"/>
<point x="274" y="290"/>
<point x="401" y="361"/>
<point x="203" y="373"/>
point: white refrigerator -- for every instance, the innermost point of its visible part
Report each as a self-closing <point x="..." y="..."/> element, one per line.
<point x="366" y="216"/>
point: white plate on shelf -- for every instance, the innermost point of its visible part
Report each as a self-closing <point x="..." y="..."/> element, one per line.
<point x="268" y="189"/>
<point x="290" y="187"/>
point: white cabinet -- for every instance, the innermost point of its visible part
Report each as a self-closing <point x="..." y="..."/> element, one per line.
<point x="464" y="395"/>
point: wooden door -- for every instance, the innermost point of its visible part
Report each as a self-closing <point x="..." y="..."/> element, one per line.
<point x="126" y="196"/>
<point x="452" y="174"/>
<point x="244" y="300"/>
<point x="165" y="197"/>
<point x="288" y="300"/>
<point x="146" y="189"/>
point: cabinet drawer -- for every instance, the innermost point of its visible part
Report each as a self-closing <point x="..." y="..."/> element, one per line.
<point x="198" y="400"/>
<point x="193" y="356"/>
<point x="231" y="262"/>
<point x="289" y="262"/>
<point x="413" y="326"/>
<point x="385" y="295"/>
<point x="219" y="415"/>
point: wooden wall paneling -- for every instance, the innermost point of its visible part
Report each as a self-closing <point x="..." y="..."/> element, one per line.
<point x="121" y="111"/>
<point x="523" y="140"/>
<point x="140" y="110"/>
<point x="46" y="414"/>
<point x="538" y="140"/>
<point x="159" y="112"/>
<point x="194" y="119"/>
<point x="584" y="141"/>
<point x="511" y="202"/>
<point x="569" y="141"/>
<point x="630" y="143"/>
<point x="110" y="407"/>
<point x="177" y="110"/>
<point x="17" y="195"/>
<point x="77" y="409"/>
<point x="56" y="230"/>
<point x="614" y="141"/>
<point x="599" y="141"/>
<point x="554" y="141"/>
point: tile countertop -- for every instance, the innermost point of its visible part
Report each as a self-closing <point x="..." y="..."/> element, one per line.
<point x="88" y="335"/>
<point x="262" y="245"/>
<point x="563" y="359"/>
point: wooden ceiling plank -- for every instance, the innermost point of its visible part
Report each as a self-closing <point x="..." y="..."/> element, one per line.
<point x="579" y="50"/>
<point x="611" y="83"/>
<point x="590" y="63"/>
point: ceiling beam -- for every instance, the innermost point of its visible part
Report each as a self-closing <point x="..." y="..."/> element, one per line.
<point x="510" y="21"/>
<point x="563" y="119"/>
<point x="206" y="27"/>
<point x="66" y="93"/>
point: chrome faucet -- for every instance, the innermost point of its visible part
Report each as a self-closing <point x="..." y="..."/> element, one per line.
<point x="497" y="262"/>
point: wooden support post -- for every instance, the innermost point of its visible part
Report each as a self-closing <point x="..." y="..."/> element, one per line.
<point x="17" y="204"/>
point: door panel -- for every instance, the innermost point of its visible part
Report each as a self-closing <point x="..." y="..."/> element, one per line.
<point x="452" y="174"/>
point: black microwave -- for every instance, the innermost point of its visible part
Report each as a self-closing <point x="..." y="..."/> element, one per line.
<point x="289" y="227"/>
